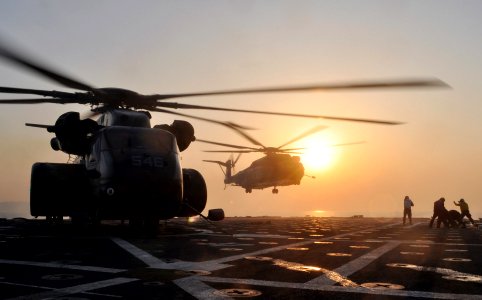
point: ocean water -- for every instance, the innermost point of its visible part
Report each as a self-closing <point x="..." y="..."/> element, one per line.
<point x="10" y="209"/>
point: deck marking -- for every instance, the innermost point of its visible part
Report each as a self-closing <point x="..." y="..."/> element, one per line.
<point x="330" y="288"/>
<point x="138" y="253"/>
<point x="51" y="288"/>
<point x="60" y="266"/>
<point x="356" y="264"/>
<point x="77" y="289"/>
<point x="220" y="261"/>
<point x="253" y="235"/>
<point x="156" y="263"/>
<point x="333" y="276"/>
<point x="198" y="289"/>
<point x="448" y="273"/>
<point x="215" y="264"/>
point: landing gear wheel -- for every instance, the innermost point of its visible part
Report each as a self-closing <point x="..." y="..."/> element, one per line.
<point x="275" y="191"/>
<point x="248" y="191"/>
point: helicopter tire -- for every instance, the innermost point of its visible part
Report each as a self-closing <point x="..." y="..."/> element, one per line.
<point x="58" y="190"/>
<point x="195" y="193"/>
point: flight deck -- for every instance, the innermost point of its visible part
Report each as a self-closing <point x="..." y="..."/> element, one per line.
<point x="241" y="257"/>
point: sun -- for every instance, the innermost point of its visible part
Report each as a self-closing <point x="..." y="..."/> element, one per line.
<point x="318" y="155"/>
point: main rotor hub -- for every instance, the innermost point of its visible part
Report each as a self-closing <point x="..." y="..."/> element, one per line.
<point x="120" y="97"/>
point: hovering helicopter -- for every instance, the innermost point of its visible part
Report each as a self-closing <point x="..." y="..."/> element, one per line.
<point x="124" y="168"/>
<point x="276" y="168"/>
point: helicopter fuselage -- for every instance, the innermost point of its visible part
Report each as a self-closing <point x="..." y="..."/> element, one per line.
<point x="131" y="171"/>
<point x="273" y="170"/>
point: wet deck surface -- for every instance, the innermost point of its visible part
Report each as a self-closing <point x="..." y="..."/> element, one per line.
<point x="286" y="258"/>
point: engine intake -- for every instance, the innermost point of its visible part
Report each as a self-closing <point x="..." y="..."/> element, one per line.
<point x="182" y="130"/>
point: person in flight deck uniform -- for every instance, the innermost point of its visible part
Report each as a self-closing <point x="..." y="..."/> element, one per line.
<point x="407" y="209"/>
<point x="439" y="212"/>
<point x="464" y="210"/>
<point x="454" y="219"/>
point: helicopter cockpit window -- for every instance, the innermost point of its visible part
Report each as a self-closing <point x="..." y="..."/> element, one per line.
<point x="125" y="118"/>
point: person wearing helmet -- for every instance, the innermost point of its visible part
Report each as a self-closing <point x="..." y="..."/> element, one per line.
<point x="439" y="212"/>
<point x="464" y="210"/>
<point x="407" y="209"/>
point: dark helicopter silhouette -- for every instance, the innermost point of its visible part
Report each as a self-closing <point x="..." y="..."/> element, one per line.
<point x="124" y="167"/>
<point x="276" y="168"/>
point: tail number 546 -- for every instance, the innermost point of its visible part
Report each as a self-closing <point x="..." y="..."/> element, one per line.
<point x="147" y="161"/>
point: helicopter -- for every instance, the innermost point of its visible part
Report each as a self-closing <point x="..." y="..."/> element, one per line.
<point x="276" y="168"/>
<point x="124" y="168"/>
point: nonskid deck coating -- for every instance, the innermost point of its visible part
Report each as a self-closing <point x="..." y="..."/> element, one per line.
<point x="287" y="258"/>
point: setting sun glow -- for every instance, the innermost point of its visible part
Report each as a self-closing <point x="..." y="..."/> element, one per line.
<point x="318" y="155"/>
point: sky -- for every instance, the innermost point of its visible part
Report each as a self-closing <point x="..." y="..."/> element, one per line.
<point x="192" y="46"/>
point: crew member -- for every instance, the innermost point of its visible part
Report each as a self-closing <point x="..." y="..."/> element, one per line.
<point x="464" y="210"/>
<point x="407" y="209"/>
<point x="439" y="212"/>
<point x="454" y="219"/>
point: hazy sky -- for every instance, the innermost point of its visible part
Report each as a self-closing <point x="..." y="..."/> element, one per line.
<point x="190" y="46"/>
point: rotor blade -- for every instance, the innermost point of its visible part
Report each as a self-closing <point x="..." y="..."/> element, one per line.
<point x="226" y="145"/>
<point x="39" y="125"/>
<point x="240" y="126"/>
<point x="247" y="136"/>
<point x="237" y="158"/>
<point x="190" y="106"/>
<point x="38" y="101"/>
<point x="403" y="83"/>
<point x="311" y="131"/>
<point x="15" y="57"/>
<point x="11" y="90"/>
<point x="194" y="117"/>
<point x="233" y="151"/>
<point x="216" y="162"/>
<point x="292" y="149"/>
<point x="348" y="144"/>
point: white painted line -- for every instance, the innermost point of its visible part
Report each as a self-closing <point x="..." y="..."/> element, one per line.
<point x="424" y="243"/>
<point x="282" y="247"/>
<point x="198" y="289"/>
<point x="256" y="253"/>
<point x="414" y="225"/>
<point x="51" y="288"/>
<point x="355" y="265"/>
<point x="334" y="276"/>
<point x="156" y="263"/>
<point x="27" y="285"/>
<point x="188" y="265"/>
<point x="448" y="273"/>
<point x="329" y="288"/>
<point x="215" y="264"/>
<point x="76" y="289"/>
<point x="60" y="266"/>
<point x="140" y="254"/>
<point x="269" y="236"/>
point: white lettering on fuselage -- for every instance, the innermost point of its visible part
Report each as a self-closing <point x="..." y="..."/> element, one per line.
<point x="147" y="161"/>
